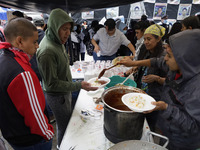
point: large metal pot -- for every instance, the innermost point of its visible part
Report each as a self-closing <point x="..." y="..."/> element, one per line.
<point x="120" y="123"/>
<point x="136" y="145"/>
<point x="141" y="145"/>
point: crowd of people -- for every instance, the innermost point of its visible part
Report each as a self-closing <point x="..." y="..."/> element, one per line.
<point x="172" y="78"/>
<point x="36" y="82"/>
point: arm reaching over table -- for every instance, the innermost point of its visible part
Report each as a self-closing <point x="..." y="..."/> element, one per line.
<point x="128" y="62"/>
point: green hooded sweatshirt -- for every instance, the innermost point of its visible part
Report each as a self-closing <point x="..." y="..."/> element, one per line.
<point x="53" y="62"/>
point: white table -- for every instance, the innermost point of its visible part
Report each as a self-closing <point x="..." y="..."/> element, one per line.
<point x="89" y="134"/>
<point x="76" y="74"/>
<point x="81" y="72"/>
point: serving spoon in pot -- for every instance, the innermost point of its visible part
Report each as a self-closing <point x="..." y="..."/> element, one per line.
<point x="104" y="70"/>
<point x="121" y="84"/>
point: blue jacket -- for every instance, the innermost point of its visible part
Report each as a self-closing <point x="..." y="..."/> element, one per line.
<point x="181" y="121"/>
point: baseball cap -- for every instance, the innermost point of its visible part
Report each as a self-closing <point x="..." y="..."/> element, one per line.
<point x="46" y="17"/>
<point x="38" y="21"/>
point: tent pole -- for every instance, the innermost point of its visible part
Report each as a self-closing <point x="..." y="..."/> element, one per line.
<point x="128" y="18"/>
<point x="67" y="6"/>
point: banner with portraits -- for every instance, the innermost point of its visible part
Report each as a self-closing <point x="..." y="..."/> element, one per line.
<point x="88" y="15"/>
<point x="196" y="2"/>
<point x="184" y="11"/>
<point x="112" y="12"/>
<point x="176" y="2"/>
<point x="150" y="1"/>
<point x="159" y="10"/>
<point x="137" y="10"/>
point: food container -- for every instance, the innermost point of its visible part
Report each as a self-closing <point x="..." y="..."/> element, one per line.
<point x="117" y="79"/>
<point x="136" y="145"/>
<point x="100" y="83"/>
<point x="120" y="123"/>
<point x="141" y="145"/>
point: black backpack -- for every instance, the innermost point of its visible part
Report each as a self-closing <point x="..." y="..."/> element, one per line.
<point x="2" y="38"/>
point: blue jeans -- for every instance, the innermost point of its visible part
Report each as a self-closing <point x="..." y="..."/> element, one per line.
<point x="42" y="145"/>
<point x="95" y="56"/>
<point x="107" y="57"/>
<point x="82" y="56"/>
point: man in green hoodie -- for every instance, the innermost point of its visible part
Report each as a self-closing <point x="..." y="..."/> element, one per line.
<point x="53" y="64"/>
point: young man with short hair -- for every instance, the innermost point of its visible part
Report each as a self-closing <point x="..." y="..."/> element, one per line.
<point x="22" y="120"/>
<point x="110" y="39"/>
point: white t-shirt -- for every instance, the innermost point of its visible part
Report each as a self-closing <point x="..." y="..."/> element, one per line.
<point x="110" y="44"/>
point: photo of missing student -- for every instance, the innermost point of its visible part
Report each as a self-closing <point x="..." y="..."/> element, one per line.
<point x="159" y="10"/>
<point x="112" y="12"/>
<point x="184" y="11"/>
<point x="137" y="10"/>
<point x="88" y="15"/>
<point x="196" y="2"/>
<point x="176" y="2"/>
<point x="150" y="1"/>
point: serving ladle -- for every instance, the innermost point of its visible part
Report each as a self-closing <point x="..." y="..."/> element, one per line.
<point x="121" y="84"/>
<point x="104" y="70"/>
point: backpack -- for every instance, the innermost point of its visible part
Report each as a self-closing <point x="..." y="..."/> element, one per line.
<point x="89" y="48"/>
<point x="2" y="38"/>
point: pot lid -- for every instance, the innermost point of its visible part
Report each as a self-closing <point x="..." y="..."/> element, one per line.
<point x="136" y="145"/>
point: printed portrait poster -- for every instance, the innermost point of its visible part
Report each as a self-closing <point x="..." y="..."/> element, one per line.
<point x="176" y="2"/>
<point x="137" y="10"/>
<point x="184" y="11"/>
<point x="196" y="1"/>
<point x="159" y="10"/>
<point x="88" y="15"/>
<point x="150" y="1"/>
<point x="112" y="12"/>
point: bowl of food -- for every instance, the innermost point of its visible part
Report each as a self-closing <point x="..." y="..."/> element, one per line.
<point x="117" y="59"/>
<point x="100" y="83"/>
<point x="138" y="102"/>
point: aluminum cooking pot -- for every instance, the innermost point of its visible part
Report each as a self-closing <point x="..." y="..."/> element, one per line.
<point x="121" y="123"/>
<point x="136" y="145"/>
<point x="111" y="97"/>
<point x="141" y="145"/>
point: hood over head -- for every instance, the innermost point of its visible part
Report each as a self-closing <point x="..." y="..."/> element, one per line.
<point x="186" y="49"/>
<point x="57" y="18"/>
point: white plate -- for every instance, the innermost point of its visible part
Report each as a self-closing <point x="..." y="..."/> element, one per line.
<point x="92" y="82"/>
<point x="96" y="93"/>
<point x="131" y="99"/>
<point x="117" y="59"/>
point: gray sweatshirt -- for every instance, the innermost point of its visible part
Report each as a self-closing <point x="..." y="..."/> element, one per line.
<point x="181" y="121"/>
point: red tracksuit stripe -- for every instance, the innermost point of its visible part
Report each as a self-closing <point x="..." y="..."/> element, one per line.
<point x="34" y="108"/>
<point x="38" y="105"/>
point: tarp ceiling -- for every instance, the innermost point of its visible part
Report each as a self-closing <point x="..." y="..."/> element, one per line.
<point x="69" y="5"/>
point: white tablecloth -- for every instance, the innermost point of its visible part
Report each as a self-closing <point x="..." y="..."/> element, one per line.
<point x="88" y="134"/>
